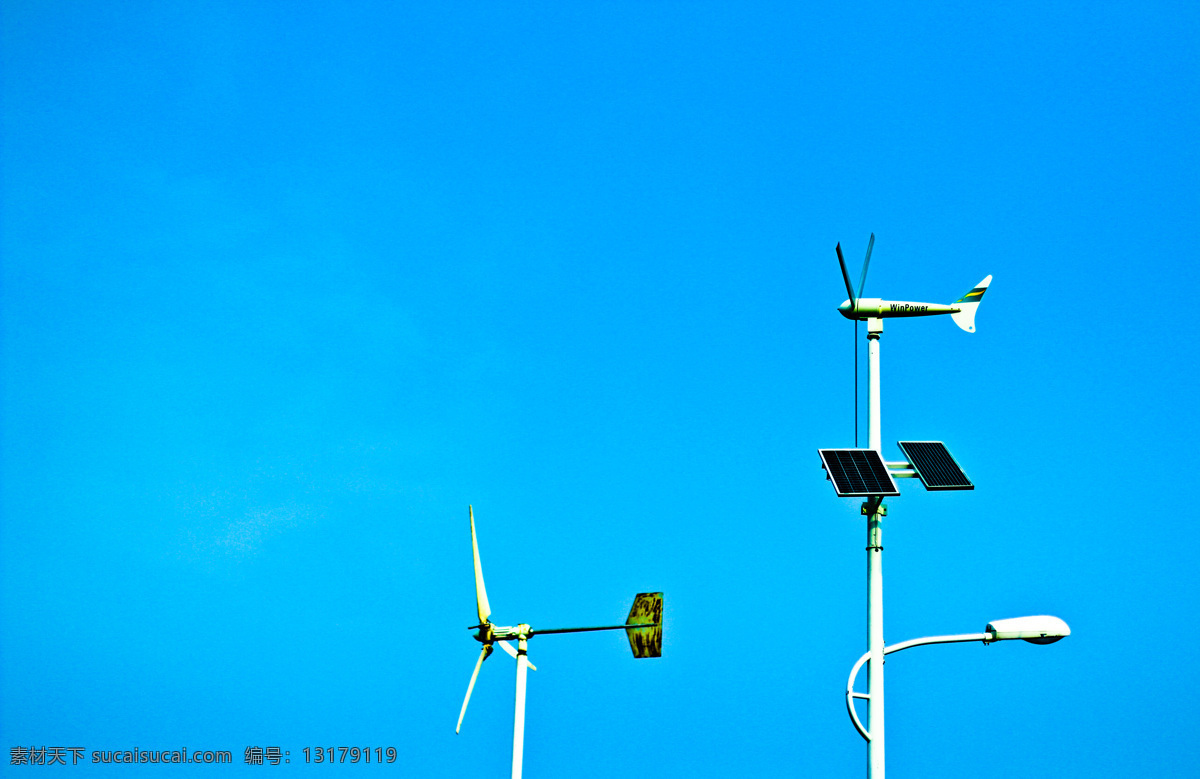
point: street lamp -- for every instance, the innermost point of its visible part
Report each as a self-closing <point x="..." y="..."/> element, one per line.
<point x="1041" y="629"/>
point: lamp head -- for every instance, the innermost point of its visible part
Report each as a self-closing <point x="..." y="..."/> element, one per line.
<point x="1041" y="629"/>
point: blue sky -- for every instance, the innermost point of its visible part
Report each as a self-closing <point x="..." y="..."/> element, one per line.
<point x="286" y="289"/>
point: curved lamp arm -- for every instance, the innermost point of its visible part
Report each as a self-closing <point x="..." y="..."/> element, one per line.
<point x="887" y="650"/>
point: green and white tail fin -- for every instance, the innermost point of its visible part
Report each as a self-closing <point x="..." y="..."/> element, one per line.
<point x="968" y="303"/>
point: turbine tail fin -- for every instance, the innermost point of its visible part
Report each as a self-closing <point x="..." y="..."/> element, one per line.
<point x="969" y="303"/>
<point x="644" y="626"/>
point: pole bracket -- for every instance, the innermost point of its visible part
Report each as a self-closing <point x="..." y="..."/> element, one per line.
<point x="851" y="695"/>
<point x="887" y="650"/>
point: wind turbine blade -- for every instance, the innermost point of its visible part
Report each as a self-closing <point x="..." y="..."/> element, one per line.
<point x="481" y="601"/>
<point x="845" y="275"/>
<point x="507" y="647"/>
<point x="482" y="656"/>
<point x="863" y="279"/>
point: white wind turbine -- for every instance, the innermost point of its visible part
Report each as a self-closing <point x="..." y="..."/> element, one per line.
<point x="643" y="628"/>
<point x="863" y="472"/>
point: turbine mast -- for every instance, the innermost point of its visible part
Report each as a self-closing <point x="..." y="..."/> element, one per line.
<point x="519" y="713"/>
<point x="876" y="511"/>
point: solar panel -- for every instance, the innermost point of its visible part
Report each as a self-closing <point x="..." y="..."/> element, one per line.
<point x="857" y="472"/>
<point x="934" y="465"/>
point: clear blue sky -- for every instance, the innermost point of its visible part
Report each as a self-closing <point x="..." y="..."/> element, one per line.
<point x="287" y="287"/>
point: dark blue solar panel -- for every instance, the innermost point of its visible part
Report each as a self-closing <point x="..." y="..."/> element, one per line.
<point x="857" y="472"/>
<point x="935" y="466"/>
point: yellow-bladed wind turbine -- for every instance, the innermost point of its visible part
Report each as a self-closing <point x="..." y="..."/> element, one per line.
<point x="643" y="628"/>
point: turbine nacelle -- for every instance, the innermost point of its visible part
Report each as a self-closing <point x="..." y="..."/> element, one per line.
<point x="508" y="633"/>
<point x="869" y="308"/>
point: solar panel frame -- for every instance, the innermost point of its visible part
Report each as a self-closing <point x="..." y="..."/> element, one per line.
<point x="857" y="473"/>
<point x="935" y="466"/>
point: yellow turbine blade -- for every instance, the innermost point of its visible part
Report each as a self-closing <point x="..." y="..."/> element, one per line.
<point x="481" y="600"/>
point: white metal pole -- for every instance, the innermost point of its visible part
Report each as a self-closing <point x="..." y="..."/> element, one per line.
<point x="875" y="643"/>
<point x="875" y="434"/>
<point x="876" y="511"/>
<point x="519" y="716"/>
